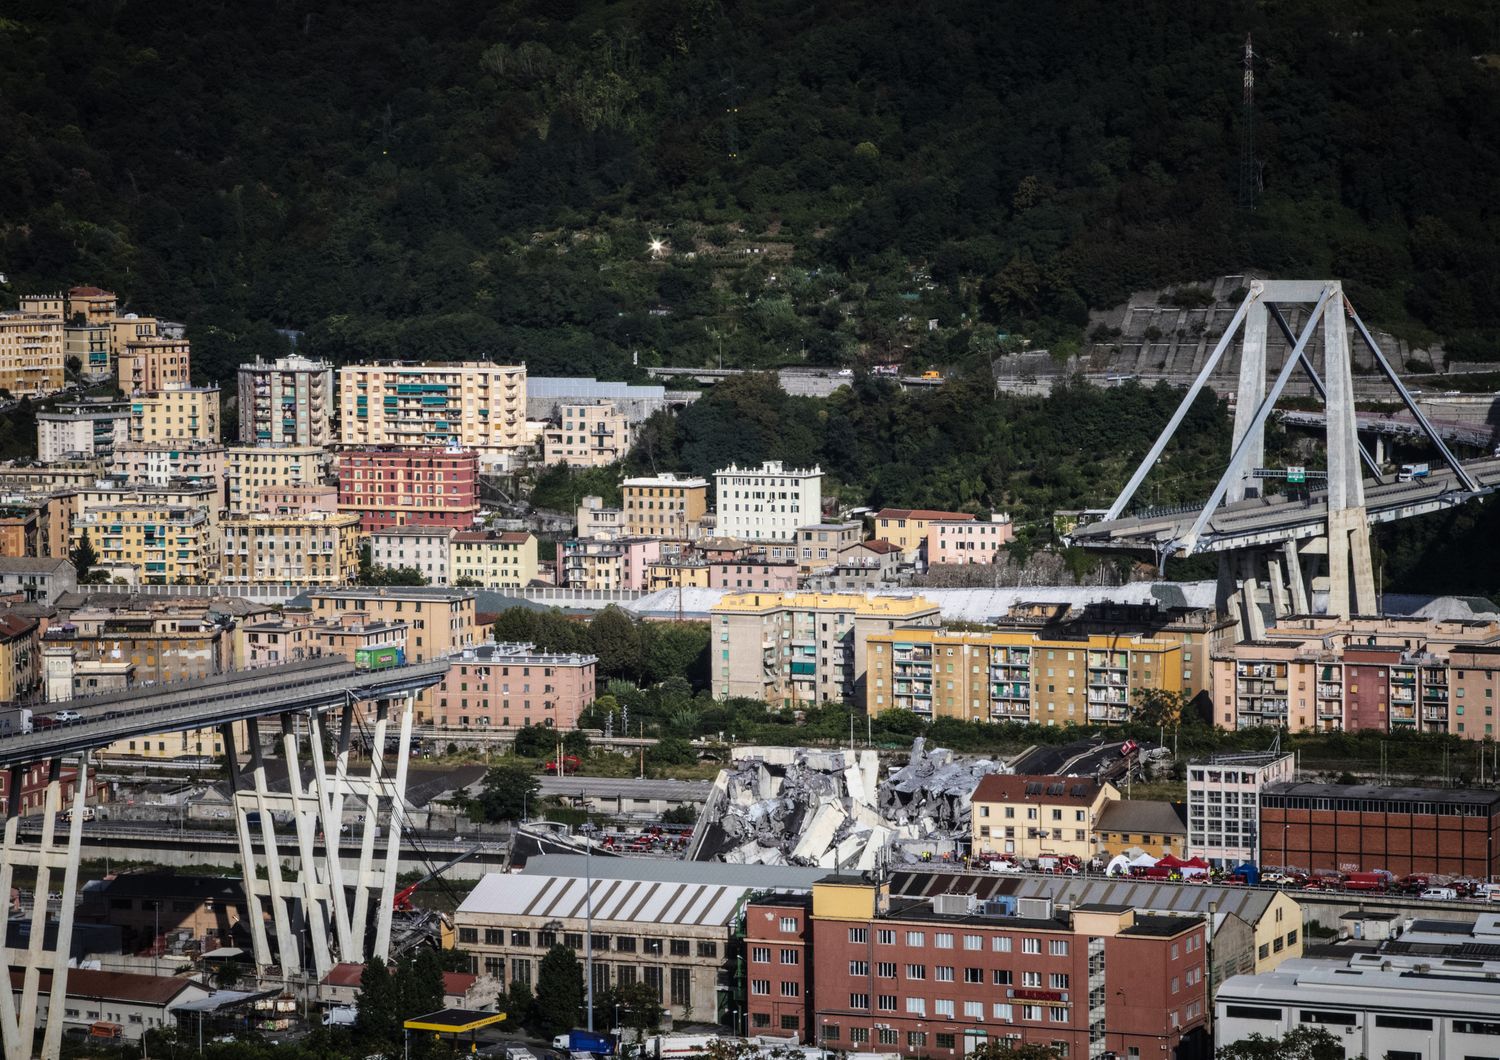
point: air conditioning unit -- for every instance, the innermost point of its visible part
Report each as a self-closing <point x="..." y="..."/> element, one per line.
<point x="952" y="904"/>
<point x="1034" y="908"/>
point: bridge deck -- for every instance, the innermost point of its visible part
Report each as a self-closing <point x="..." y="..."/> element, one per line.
<point x="1265" y="520"/>
<point x="234" y="696"/>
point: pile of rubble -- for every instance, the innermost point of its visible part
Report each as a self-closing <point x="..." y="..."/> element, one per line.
<point x="798" y="806"/>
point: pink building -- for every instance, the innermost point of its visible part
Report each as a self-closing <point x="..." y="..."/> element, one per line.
<point x="752" y="572"/>
<point x="967" y="540"/>
<point x="297" y="500"/>
<point x="403" y="487"/>
<point x="506" y="686"/>
<point x="620" y="564"/>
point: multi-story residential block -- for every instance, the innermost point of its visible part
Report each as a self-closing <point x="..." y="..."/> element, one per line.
<point x="1362" y="827"/>
<point x="20" y="530"/>
<point x="1223" y="798"/>
<point x="752" y="572"/>
<point x="32" y="360"/>
<point x="767" y="503"/>
<point x="907" y="527"/>
<point x="597" y="521"/>
<point x="477" y="406"/>
<point x="90" y="345"/>
<point x="969" y="540"/>
<point x="146" y="365"/>
<point x="586" y="434"/>
<point x="288" y="401"/>
<point x="20" y="656"/>
<point x="664" y="506"/>
<point x="91" y="306"/>
<point x="1017" y="675"/>
<point x="792" y="648"/>
<point x="250" y="469"/>
<point x="421" y="548"/>
<point x="34" y="780"/>
<point x="294" y="500"/>
<point x="1035" y="816"/>
<point x="819" y="545"/>
<point x="677" y="571"/>
<point x="409" y="487"/>
<point x="37" y="579"/>
<point x="358" y="637"/>
<point x="189" y="412"/>
<point x="506" y="686"/>
<point x="165" y="462"/>
<point x="317" y="548"/>
<point x="941" y="976"/>
<point x="165" y="543"/>
<point x="206" y="497"/>
<point x="618" y="563"/>
<point x="441" y="620"/>
<point x="126" y="328"/>
<point x="492" y="558"/>
<point x="81" y="431"/>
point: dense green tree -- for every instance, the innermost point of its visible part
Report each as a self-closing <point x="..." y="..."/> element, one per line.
<point x="559" y="992"/>
<point x="378" y="1019"/>
<point x="507" y="793"/>
<point x="84" y="557"/>
<point x="1303" y="1043"/>
<point x="518" y="1001"/>
<point x="614" y="638"/>
<point x="534" y="741"/>
<point x="671" y="751"/>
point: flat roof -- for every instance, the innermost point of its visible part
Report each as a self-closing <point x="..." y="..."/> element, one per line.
<point x="1456" y="796"/>
<point x="454" y="1021"/>
<point x="657" y="870"/>
<point x="624" y="901"/>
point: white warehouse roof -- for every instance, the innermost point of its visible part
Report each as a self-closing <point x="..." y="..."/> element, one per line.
<point x="620" y="901"/>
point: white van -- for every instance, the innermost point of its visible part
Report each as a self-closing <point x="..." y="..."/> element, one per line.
<point x="85" y="814"/>
<point x="1488" y="892"/>
<point x="1443" y="894"/>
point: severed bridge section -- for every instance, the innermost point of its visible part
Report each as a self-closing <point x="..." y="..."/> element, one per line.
<point x="318" y="913"/>
<point x="1272" y="547"/>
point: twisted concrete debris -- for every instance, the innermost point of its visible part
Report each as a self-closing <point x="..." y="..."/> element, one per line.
<point x="800" y="806"/>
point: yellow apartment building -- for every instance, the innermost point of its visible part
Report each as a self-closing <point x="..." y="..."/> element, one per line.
<point x="907" y="527"/>
<point x="1017" y="675"/>
<point x="90" y="344"/>
<point x="250" y="469"/>
<point x="1034" y="816"/>
<point x="126" y="329"/>
<point x="469" y="405"/>
<point x="790" y="649"/>
<point x="166" y="543"/>
<point x="491" y="558"/>
<point x="147" y="365"/>
<point x="676" y="573"/>
<point x="587" y="434"/>
<point x="318" y="548"/>
<point x="191" y="412"/>
<point x="32" y="357"/>
<point x="94" y="304"/>
<point x="439" y="621"/>
<point x="664" y="505"/>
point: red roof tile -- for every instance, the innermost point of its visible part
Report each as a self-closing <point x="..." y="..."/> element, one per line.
<point x="919" y="513"/>
<point x="116" y="986"/>
<point x="1023" y="787"/>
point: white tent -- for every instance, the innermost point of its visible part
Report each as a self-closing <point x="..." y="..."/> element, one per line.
<point x="1142" y="861"/>
<point x="1119" y="865"/>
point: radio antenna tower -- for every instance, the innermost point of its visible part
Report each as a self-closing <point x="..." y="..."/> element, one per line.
<point x="1249" y="170"/>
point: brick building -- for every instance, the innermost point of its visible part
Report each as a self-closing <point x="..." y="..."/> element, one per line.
<point x="1360" y="828"/>
<point x="401" y="487"/>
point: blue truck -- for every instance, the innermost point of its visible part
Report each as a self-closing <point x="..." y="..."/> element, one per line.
<point x="581" y="1041"/>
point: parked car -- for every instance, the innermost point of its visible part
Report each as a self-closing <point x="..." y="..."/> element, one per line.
<point x="64" y="717"/>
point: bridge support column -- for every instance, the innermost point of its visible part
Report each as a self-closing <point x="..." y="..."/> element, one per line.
<point x="1296" y="579"/>
<point x="19" y="1016"/>
<point x="1252" y="621"/>
<point x="1351" y="572"/>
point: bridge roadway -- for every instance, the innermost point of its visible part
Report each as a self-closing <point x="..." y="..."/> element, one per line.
<point x="1400" y="425"/>
<point x="1270" y="520"/>
<point x="176" y="706"/>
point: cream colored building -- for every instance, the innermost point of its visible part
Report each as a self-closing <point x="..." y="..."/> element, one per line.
<point x="159" y="463"/>
<point x="318" y="548"/>
<point x="249" y="469"/>
<point x="96" y="305"/>
<point x="32" y="358"/>
<point x="664" y="505"/>
<point x="586" y="434"/>
<point x="766" y="503"/>
<point x="422" y="548"/>
<point x="492" y="558"/>
<point x="799" y="648"/>
<point x="1032" y="816"/>
<point x="471" y="405"/>
<point x="190" y="412"/>
<point x="288" y="401"/>
<point x="146" y="365"/>
<point x="90" y="344"/>
<point x="166" y="543"/>
<point x="85" y="430"/>
<point x="440" y="621"/>
<point x="126" y="329"/>
<point x="597" y="521"/>
<point x="104" y="494"/>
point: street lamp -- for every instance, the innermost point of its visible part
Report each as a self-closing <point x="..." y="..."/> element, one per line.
<point x="588" y="829"/>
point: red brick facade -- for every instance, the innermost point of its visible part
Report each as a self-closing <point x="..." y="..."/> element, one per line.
<point x="397" y="487"/>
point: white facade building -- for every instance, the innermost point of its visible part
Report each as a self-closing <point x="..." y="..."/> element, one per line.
<point x="423" y="547"/>
<point x="1224" y="804"/>
<point x="88" y="430"/>
<point x="767" y="503"/>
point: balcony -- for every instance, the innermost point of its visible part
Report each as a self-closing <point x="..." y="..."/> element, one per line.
<point x="1108" y="714"/>
<point x="1435" y="714"/>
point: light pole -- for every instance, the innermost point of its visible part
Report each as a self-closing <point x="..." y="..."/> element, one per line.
<point x="588" y="830"/>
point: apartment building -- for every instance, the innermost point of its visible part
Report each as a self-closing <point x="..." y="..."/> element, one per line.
<point x="32" y="361"/>
<point x="164" y="542"/>
<point x="20" y="659"/>
<point x="126" y="328"/>
<point x="767" y="503"/>
<point x="421" y="548"/>
<point x="472" y="405"/>
<point x="618" y="563"/>
<point x="1223" y="798"/>
<point x="664" y="506"/>
<point x="968" y="540"/>
<point x="752" y="572"/>
<point x="795" y="648"/>
<point x="206" y="497"/>
<point x="316" y="548"/>
<point x="35" y="579"/>
<point x="81" y="431"/>
<point x="441" y="620"/>
<point x="165" y="462"/>
<point x="492" y="558"/>
<point x="677" y="571"/>
<point x="586" y="434"/>
<point x="507" y="686"/>
<point x="90" y="344"/>
<point x="288" y="401"/>
<point x="1129" y="826"/>
<point x="252" y="469"/>
<point x="597" y="521"/>
<point x="294" y="500"/>
<point x="819" y="544"/>
<point x="1035" y="816"/>
<point x="146" y="365"/>
<point x="907" y="528"/>
<point x="189" y="412"/>
<point x="942" y="976"/>
<point x="1019" y="675"/>
<point x="93" y="304"/>
<point x="409" y="487"/>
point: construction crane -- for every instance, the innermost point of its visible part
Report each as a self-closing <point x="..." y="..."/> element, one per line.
<point x="401" y="901"/>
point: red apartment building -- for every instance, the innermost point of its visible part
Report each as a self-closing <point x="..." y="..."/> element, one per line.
<point x="506" y="686"/>
<point x="936" y="977"/>
<point x="409" y="487"/>
<point x="34" y="787"/>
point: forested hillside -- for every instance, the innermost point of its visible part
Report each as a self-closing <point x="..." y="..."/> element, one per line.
<point x="454" y="178"/>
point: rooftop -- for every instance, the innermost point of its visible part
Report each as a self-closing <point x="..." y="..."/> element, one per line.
<point x="894" y="606"/>
<point x="32" y="565"/>
<point x="1021" y="787"/>
<point x="394" y="592"/>
<point x="683" y="905"/>
<point x="1376" y="793"/>
<point x="115" y="986"/>
<point x="666" y="478"/>
<point x="1143" y="816"/>
<point x="920" y="513"/>
<point x="656" y="870"/>
<point x="516" y="652"/>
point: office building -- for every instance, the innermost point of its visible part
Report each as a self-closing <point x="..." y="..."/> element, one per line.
<point x="147" y="365"/>
<point x="251" y="470"/>
<point x="472" y="405"/>
<point x="189" y="412"/>
<point x="1223" y="799"/>
<point x="317" y="548"/>
<point x="492" y="558"/>
<point x="586" y="434"/>
<point x="1038" y="816"/>
<point x="797" y="648"/>
<point x="766" y="503"/>
<point x="420" y="548"/>
<point x="287" y="401"/>
<point x="664" y="506"/>
<point x="409" y="487"/>
<point x="81" y="431"/>
<point x="507" y="686"/>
